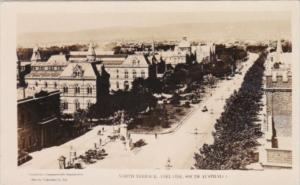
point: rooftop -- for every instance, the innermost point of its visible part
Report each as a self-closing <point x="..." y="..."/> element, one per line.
<point x="27" y="94"/>
<point x="85" y="69"/>
<point x="54" y="60"/>
<point x="44" y="74"/>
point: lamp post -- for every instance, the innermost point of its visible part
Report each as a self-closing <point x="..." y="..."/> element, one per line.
<point x="168" y="165"/>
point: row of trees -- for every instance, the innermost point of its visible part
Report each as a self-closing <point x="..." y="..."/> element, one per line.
<point x="138" y="99"/>
<point x="24" y="54"/>
<point x="236" y="130"/>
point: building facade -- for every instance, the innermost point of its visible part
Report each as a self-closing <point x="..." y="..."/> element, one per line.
<point x="75" y="78"/>
<point x="38" y="119"/>
<point x="277" y="145"/>
<point x="123" y="73"/>
<point x="81" y="77"/>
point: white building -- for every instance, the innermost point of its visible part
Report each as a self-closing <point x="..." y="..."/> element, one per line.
<point x="205" y="52"/>
<point x="276" y="150"/>
<point x="123" y="72"/>
<point x="76" y="79"/>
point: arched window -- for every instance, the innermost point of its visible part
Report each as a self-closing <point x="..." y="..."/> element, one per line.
<point x="36" y="84"/>
<point x="133" y="73"/>
<point x="65" y="105"/>
<point x="77" y="105"/>
<point x="77" y="89"/>
<point x="126" y="74"/>
<point x="143" y="74"/>
<point x="117" y="85"/>
<point x="55" y="85"/>
<point x="89" y="90"/>
<point x="46" y="84"/>
<point x="65" y="89"/>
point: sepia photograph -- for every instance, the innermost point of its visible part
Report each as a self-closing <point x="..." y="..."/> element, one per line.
<point x="129" y="85"/>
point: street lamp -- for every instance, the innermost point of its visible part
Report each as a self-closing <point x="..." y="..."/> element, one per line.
<point x="168" y="165"/>
<point x="72" y="155"/>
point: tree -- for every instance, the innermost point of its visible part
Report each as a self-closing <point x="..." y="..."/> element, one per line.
<point x="236" y="130"/>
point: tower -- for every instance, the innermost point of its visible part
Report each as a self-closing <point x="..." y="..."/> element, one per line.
<point x="36" y="55"/>
<point x="153" y="46"/>
<point x="91" y="54"/>
<point x="279" y="52"/>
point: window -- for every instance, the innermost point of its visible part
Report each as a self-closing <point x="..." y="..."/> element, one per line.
<point x="117" y="85"/>
<point x="65" y="105"/>
<point x="126" y="85"/>
<point x="117" y="76"/>
<point x="126" y="74"/>
<point x="274" y="76"/>
<point x="89" y="104"/>
<point x="77" y="89"/>
<point x="143" y="74"/>
<point x="89" y="90"/>
<point x="46" y="84"/>
<point x="77" y="105"/>
<point x="55" y="85"/>
<point x="77" y="73"/>
<point x="65" y="89"/>
<point x="285" y="76"/>
<point x="133" y="73"/>
<point x="36" y="84"/>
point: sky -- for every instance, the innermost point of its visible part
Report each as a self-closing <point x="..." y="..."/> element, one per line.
<point x="70" y="22"/>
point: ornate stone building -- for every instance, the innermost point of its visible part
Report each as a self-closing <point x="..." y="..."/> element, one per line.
<point x="83" y="77"/>
<point x="76" y="79"/>
<point x="123" y="73"/>
<point x="277" y="145"/>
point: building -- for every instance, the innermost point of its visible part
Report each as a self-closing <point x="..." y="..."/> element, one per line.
<point x="184" y="47"/>
<point x="38" y="119"/>
<point x="75" y="78"/>
<point x="23" y="68"/>
<point x="45" y="74"/>
<point x="78" y="83"/>
<point x="205" y="53"/>
<point x="83" y="77"/>
<point x="123" y="72"/>
<point x="277" y="144"/>
<point x="122" y="68"/>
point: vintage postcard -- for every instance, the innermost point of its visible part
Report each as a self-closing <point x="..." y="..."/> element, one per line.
<point x="150" y="92"/>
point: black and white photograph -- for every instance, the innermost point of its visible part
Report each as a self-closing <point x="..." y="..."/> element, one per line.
<point x="152" y="86"/>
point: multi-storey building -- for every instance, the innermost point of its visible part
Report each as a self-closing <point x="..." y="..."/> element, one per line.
<point x="81" y="78"/>
<point x="76" y="79"/>
<point x="123" y="73"/>
<point x="38" y="119"/>
<point x="277" y="145"/>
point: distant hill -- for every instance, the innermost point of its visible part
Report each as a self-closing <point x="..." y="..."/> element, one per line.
<point x="257" y="30"/>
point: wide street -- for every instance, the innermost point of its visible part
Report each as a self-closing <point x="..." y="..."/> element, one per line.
<point x="179" y="146"/>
